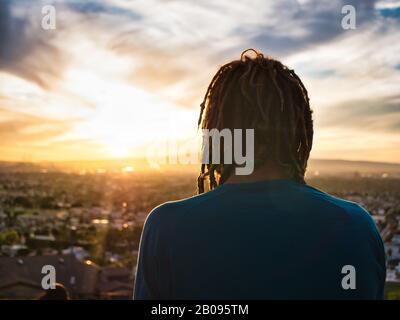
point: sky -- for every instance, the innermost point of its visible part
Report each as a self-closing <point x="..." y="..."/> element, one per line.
<point x="116" y="76"/>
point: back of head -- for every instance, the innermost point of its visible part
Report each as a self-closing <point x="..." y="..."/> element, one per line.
<point x="58" y="293"/>
<point x="260" y="93"/>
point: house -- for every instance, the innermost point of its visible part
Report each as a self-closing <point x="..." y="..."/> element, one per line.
<point x="79" y="252"/>
<point x="21" y="277"/>
<point x="12" y="250"/>
<point x="115" y="283"/>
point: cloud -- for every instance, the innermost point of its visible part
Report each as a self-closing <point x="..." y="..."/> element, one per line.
<point x="24" y="129"/>
<point x="171" y="49"/>
<point x="26" y="50"/>
<point x="93" y="7"/>
<point x="300" y="26"/>
<point x="379" y="115"/>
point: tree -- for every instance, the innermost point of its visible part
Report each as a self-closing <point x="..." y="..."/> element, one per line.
<point x="11" y="237"/>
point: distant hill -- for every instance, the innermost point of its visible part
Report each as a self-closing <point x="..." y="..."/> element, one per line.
<point x="316" y="167"/>
<point x="324" y="166"/>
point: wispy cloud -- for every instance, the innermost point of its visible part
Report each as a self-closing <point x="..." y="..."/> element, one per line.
<point x="25" y="49"/>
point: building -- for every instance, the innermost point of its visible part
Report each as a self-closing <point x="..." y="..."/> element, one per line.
<point x="21" y="277"/>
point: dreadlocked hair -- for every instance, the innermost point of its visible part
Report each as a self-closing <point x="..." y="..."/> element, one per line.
<point x="259" y="93"/>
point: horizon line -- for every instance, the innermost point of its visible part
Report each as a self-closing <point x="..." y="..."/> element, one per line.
<point x="144" y="158"/>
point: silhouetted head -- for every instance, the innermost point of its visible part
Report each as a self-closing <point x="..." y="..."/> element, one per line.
<point x="59" y="293"/>
<point x="260" y="93"/>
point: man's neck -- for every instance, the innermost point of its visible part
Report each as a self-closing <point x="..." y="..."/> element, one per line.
<point x="268" y="171"/>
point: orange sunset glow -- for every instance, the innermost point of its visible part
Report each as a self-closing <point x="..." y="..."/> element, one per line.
<point x="115" y="76"/>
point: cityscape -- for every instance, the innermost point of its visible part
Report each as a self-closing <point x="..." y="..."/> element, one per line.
<point x="87" y="223"/>
<point x="107" y="108"/>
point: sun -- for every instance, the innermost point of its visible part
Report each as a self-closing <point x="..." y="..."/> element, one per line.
<point x="118" y="150"/>
<point x="122" y="120"/>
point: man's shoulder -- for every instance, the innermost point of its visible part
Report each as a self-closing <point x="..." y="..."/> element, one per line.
<point x="171" y="211"/>
<point x="351" y="210"/>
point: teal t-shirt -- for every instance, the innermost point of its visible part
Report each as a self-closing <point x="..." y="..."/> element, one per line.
<point x="274" y="239"/>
